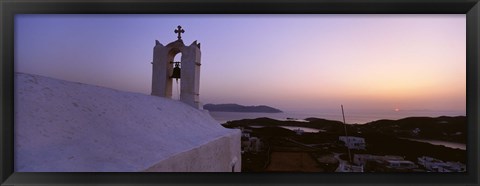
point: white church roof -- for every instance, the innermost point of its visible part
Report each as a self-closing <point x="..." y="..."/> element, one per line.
<point x="66" y="126"/>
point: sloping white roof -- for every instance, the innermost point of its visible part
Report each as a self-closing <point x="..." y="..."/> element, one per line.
<point x="67" y="126"/>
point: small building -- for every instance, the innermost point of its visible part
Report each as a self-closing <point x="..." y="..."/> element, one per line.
<point x="387" y="163"/>
<point x="363" y="159"/>
<point x="400" y="164"/>
<point x="416" y="131"/>
<point x="383" y="165"/>
<point x="353" y="142"/>
<point x="344" y="167"/>
<point x="298" y="131"/>
<point x="245" y="135"/>
<point x="436" y="165"/>
<point x="252" y="144"/>
<point x="456" y="167"/>
<point x="429" y="163"/>
<point x="448" y="167"/>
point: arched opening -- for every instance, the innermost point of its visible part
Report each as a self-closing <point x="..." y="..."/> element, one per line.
<point x="186" y="88"/>
<point x="176" y="83"/>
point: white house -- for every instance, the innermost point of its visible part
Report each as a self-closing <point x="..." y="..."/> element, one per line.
<point x="298" y="131"/>
<point x="344" y="167"/>
<point x="253" y="144"/>
<point x="400" y="164"/>
<point x="362" y="159"/>
<point x="436" y="165"/>
<point x="353" y="142"/>
<point x="416" y="131"/>
<point x="245" y="135"/>
<point x="456" y="166"/>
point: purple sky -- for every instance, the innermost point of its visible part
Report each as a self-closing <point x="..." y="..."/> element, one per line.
<point x="287" y="61"/>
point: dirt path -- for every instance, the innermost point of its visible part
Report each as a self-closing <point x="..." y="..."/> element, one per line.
<point x="293" y="162"/>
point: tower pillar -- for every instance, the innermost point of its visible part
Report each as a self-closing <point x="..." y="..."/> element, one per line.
<point x="190" y="70"/>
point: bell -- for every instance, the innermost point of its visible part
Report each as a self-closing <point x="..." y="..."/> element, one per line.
<point x="176" y="71"/>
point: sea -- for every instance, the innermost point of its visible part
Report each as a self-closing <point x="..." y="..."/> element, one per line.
<point x="453" y="145"/>
<point x="351" y="116"/>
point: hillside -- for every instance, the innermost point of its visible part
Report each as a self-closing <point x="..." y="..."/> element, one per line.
<point x="240" y="108"/>
<point x="443" y="128"/>
<point x="439" y="128"/>
<point x="63" y="126"/>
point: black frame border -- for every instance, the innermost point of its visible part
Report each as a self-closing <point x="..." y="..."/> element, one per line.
<point x="9" y="8"/>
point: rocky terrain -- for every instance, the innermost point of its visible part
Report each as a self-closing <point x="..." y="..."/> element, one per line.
<point x="443" y="128"/>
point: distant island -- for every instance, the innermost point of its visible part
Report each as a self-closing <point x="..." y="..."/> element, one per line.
<point x="240" y="108"/>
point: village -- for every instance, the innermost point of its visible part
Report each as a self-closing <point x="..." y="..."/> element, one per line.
<point x="277" y="149"/>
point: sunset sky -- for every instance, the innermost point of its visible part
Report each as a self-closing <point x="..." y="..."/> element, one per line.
<point x="292" y="62"/>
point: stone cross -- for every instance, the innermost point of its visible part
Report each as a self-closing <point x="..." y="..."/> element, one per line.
<point x="179" y="31"/>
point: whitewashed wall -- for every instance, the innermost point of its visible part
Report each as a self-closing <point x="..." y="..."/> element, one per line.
<point x="62" y="126"/>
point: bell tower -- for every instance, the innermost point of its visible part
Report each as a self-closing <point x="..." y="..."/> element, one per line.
<point x="163" y="70"/>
